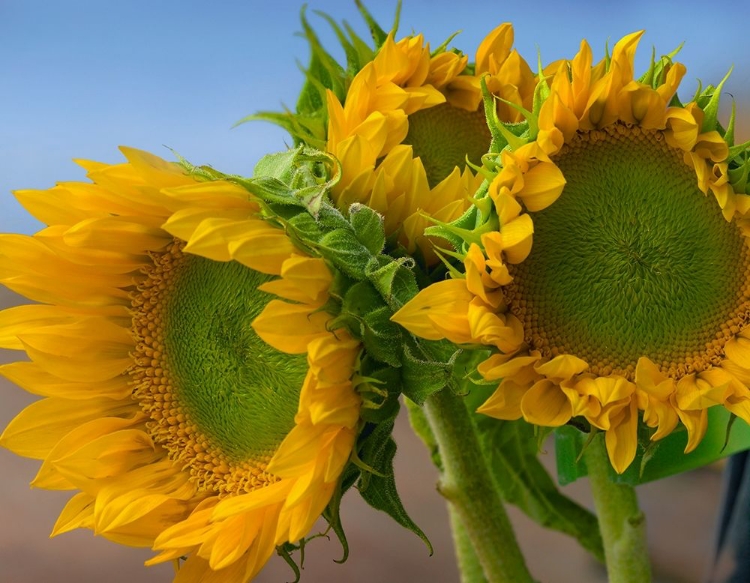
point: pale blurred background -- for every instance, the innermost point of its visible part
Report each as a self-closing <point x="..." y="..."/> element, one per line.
<point x="81" y="77"/>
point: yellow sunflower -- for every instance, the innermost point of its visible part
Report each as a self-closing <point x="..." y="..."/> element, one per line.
<point x="194" y="395"/>
<point x="633" y="300"/>
<point x="410" y="121"/>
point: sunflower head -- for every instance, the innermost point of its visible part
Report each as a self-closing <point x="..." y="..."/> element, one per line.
<point x="407" y="123"/>
<point x="203" y="368"/>
<point x="606" y="262"/>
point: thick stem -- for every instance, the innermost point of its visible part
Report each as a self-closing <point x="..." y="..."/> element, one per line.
<point x="469" y="487"/>
<point x="622" y="523"/>
<point x="468" y="562"/>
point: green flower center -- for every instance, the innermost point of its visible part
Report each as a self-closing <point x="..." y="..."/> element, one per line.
<point x="632" y="260"/>
<point x="445" y="136"/>
<point x="219" y="396"/>
<point x="239" y="391"/>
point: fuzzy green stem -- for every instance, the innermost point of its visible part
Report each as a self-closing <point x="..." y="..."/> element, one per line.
<point x="468" y="562"/>
<point x="621" y="521"/>
<point x="469" y="487"/>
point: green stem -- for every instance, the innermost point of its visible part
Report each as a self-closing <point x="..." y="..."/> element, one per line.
<point x="468" y="562"/>
<point x="622" y="523"/>
<point x="469" y="487"/>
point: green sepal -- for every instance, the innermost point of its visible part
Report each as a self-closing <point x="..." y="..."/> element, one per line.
<point x="443" y="46"/>
<point x="656" y="73"/>
<point x="736" y="151"/>
<point x="343" y="249"/>
<point x="378" y="34"/>
<point x="378" y="450"/>
<point x="426" y="367"/>
<point x="380" y="389"/>
<point x="308" y="124"/>
<point x="729" y="133"/>
<point x="305" y="226"/>
<point x="393" y="278"/>
<point x="285" y="552"/>
<point x="357" y="52"/>
<point x="738" y="177"/>
<point x="323" y="68"/>
<point x="304" y="129"/>
<point x="503" y="134"/>
<point x="382" y="337"/>
<point x="711" y="109"/>
<point x="368" y="227"/>
<point x="294" y="177"/>
<point x="493" y="121"/>
<point x="332" y="512"/>
<point x="648" y="77"/>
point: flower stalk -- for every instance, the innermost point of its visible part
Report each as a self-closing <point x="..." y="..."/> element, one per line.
<point x="469" y="566"/>
<point x="622" y="523"/>
<point x="467" y="484"/>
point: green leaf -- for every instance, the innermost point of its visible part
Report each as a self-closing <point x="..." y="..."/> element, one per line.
<point x="368" y="227"/>
<point x="511" y="447"/>
<point x="422" y="429"/>
<point x="378" y="451"/>
<point x="666" y="460"/>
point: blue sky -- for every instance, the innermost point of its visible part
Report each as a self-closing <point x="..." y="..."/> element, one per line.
<point x="80" y="77"/>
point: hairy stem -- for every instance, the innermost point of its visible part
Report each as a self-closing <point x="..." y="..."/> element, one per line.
<point x="469" y="487"/>
<point x="621" y="521"/>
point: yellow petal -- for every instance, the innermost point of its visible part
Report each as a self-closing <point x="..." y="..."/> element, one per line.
<point x="36" y="430"/>
<point x="542" y="185"/>
<point x="48" y="477"/>
<point x="546" y="404"/>
<point x="78" y="513"/>
<point x="505" y="402"/>
<point x="121" y="234"/>
<point x="622" y="438"/>
<point x="34" y="379"/>
<point x="499" y="366"/>
<point x="649" y="378"/>
<point x="254" y="500"/>
<point x="696" y="423"/>
<point x="290" y="327"/>
<point x="694" y="393"/>
<point x="441" y="299"/>
<point x="606" y="389"/>
<point x="562" y="367"/>
<point x="496" y="46"/>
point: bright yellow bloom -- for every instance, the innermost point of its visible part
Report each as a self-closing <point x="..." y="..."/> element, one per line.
<point x="409" y="123"/>
<point x="634" y="298"/>
<point x="193" y="393"/>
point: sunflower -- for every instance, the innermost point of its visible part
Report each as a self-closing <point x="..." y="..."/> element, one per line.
<point x="193" y="392"/>
<point x="633" y="301"/>
<point x="410" y="121"/>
